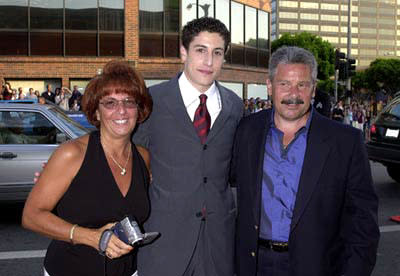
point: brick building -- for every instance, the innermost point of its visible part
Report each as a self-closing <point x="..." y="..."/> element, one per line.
<point x="66" y="42"/>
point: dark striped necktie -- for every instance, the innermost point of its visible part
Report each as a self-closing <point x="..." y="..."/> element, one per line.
<point x="202" y="119"/>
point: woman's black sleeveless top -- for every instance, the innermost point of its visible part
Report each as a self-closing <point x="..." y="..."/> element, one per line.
<point x="92" y="200"/>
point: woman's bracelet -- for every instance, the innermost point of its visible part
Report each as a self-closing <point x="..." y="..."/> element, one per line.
<point x="71" y="233"/>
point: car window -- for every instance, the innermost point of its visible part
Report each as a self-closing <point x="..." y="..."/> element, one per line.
<point x="392" y="111"/>
<point x="20" y="127"/>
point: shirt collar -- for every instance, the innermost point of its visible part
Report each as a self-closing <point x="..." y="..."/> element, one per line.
<point x="190" y="93"/>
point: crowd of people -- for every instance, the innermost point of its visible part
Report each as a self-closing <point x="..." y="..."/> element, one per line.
<point x="62" y="96"/>
<point x="358" y="113"/>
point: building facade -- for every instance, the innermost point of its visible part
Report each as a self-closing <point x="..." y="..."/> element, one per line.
<point x="374" y="25"/>
<point x="67" y="42"/>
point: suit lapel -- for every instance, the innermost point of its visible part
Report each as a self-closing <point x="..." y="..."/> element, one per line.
<point x="314" y="160"/>
<point x="256" y="145"/>
<point x="226" y="110"/>
<point x="172" y="100"/>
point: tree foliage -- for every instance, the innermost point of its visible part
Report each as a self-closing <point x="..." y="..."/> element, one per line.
<point x="384" y="72"/>
<point x="381" y="73"/>
<point x="323" y="51"/>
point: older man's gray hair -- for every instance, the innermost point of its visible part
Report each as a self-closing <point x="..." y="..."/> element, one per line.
<point x="292" y="55"/>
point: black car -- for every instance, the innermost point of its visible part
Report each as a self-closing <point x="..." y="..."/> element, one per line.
<point x="384" y="145"/>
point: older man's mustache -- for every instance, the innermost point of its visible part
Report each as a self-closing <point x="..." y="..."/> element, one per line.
<point x="292" y="101"/>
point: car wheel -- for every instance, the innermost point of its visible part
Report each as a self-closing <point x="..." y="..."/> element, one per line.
<point x="394" y="172"/>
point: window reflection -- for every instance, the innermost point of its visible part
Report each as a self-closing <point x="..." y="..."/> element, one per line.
<point x="45" y="33"/>
<point x="111" y="15"/>
<point x="251" y="36"/>
<point x="111" y="44"/>
<point x="159" y="28"/>
<point x="151" y="27"/>
<point x="46" y="43"/>
<point x="13" y="43"/>
<point x="81" y="44"/>
<point x="46" y="14"/>
<point x="13" y="14"/>
<point x="189" y="11"/>
<point x="237" y="23"/>
<point x="237" y="33"/>
<point x="206" y="8"/>
<point x="222" y="11"/>
<point x="263" y="39"/>
<point x="81" y="15"/>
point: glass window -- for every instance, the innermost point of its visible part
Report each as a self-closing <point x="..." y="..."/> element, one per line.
<point x="334" y="7"/>
<point x="46" y="43"/>
<point x="19" y="45"/>
<point x="305" y="27"/>
<point x="237" y="33"/>
<point x="290" y="15"/>
<point x="263" y="39"/>
<point x="81" y="83"/>
<point x="263" y="30"/>
<point x="81" y="44"/>
<point x="289" y="4"/>
<point x="189" y="11"/>
<point x="81" y="15"/>
<point x="310" y="16"/>
<point x="206" y="8"/>
<point x="171" y="20"/>
<point x="111" y="44"/>
<point x="151" y="28"/>
<point x="237" y="23"/>
<point x="255" y="90"/>
<point x="153" y="82"/>
<point x="222" y="11"/>
<point x="46" y="14"/>
<point x="235" y="87"/>
<point x="26" y="128"/>
<point x="312" y="5"/>
<point x="13" y="14"/>
<point x="111" y="15"/>
<point x="251" y="36"/>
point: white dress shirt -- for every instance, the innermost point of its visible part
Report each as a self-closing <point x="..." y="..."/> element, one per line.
<point x="190" y="96"/>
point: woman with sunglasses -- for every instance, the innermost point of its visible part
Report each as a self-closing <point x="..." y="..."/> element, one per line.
<point x="92" y="182"/>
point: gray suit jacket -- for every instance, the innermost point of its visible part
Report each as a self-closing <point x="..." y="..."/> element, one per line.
<point x="187" y="176"/>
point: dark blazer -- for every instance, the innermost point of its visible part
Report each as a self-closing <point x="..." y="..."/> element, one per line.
<point x="187" y="176"/>
<point x="334" y="228"/>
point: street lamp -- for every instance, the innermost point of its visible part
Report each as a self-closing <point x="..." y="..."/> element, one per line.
<point x="205" y="7"/>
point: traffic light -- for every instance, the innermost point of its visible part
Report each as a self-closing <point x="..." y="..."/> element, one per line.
<point x="351" y="67"/>
<point x="339" y="56"/>
<point x="341" y="64"/>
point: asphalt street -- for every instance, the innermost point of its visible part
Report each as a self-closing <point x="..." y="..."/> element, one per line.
<point x="22" y="252"/>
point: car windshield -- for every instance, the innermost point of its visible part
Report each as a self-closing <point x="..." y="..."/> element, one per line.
<point x="74" y="126"/>
<point x="392" y="111"/>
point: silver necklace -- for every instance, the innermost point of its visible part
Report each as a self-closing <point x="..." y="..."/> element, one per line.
<point x="123" y="169"/>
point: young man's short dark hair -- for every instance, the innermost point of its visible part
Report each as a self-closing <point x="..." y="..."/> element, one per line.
<point x="204" y="24"/>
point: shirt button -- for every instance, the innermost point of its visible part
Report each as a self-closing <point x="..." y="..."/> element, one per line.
<point x="253" y="254"/>
<point x="205" y="180"/>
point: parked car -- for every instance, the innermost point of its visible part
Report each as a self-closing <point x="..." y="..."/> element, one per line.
<point x="384" y="145"/>
<point x="77" y="116"/>
<point x="29" y="133"/>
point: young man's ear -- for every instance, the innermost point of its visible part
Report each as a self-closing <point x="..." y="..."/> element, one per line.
<point x="183" y="52"/>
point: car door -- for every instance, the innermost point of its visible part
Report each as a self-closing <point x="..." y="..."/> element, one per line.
<point x="27" y="139"/>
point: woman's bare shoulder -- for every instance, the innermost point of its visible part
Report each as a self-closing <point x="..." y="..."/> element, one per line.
<point x="72" y="150"/>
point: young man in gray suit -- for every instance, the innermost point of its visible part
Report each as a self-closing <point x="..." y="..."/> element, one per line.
<point x="190" y="139"/>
